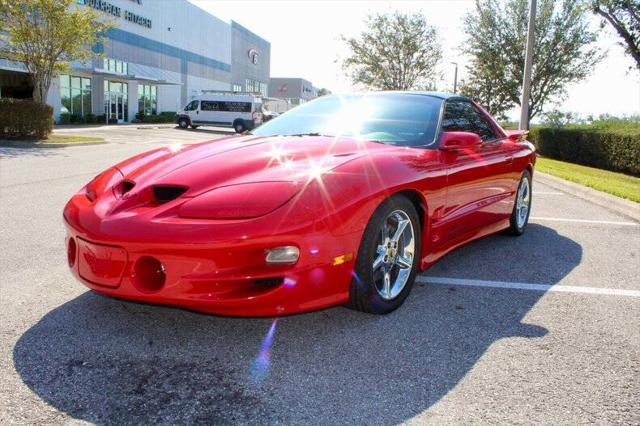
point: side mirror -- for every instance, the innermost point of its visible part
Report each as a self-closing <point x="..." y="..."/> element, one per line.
<point x="453" y="141"/>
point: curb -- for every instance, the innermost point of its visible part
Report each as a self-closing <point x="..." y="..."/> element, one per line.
<point x="611" y="202"/>
<point x="49" y="145"/>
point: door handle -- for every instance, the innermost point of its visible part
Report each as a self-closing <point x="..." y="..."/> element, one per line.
<point x="197" y="112"/>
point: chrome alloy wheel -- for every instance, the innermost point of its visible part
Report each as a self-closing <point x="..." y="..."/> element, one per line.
<point x="523" y="200"/>
<point x="394" y="255"/>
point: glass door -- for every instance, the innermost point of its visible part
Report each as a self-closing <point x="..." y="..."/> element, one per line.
<point x="114" y="107"/>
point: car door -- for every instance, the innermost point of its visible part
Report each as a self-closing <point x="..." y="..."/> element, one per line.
<point x="478" y="178"/>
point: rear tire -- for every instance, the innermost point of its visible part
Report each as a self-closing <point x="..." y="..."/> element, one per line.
<point x="183" y="122"/>
<point x="239" y="126"/>
<point x="521" y="206"/>
<point x="388" y="258"/>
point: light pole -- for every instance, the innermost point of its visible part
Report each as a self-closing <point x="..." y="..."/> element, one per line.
<point x="528" y="64"/>
<point x="455" y="78"/>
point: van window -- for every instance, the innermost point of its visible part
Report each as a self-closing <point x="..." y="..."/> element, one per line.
<point x="192" y="106"/>
<point x="210" y="106"/>
<point x="225" y="106"/>
<point x="236" y="106"/>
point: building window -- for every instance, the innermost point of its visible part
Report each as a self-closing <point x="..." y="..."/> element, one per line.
<point x="75" y="93"/>
<point x="253" y="86"/>
<point x="236" y="88"/>
<point x="116" y="66"/>
<point x="147" y="99"/>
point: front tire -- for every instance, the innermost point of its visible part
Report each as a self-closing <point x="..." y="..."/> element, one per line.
<point x="183" y="122"/>
<point x="388" y="258"/>
<point x="522" y="206"/>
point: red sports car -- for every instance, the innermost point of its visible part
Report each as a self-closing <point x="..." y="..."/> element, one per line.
<point x="341" y="200"/>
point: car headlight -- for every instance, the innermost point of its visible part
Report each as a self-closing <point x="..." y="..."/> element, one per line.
<point x="242" y="201"/>
<point x="102" y="182"/>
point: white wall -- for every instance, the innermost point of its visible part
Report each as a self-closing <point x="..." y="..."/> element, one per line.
<point x="192" y="28"/>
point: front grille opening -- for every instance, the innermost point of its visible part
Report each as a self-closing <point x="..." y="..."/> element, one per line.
<point x="269" y="282"/>
<point x="164" y="194"/>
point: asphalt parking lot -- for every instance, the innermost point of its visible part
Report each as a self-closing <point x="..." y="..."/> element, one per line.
<point x="544" y="328"/>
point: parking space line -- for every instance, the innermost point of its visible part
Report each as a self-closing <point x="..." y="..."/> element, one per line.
<point x="546" y="193"/>
<point x="598" y="222"/>
<point x="527" y="286"/>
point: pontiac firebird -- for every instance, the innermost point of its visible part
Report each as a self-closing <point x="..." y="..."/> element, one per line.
<point x="342" y="200"/>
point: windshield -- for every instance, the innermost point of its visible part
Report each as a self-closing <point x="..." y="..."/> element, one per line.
<point x="393" y="118"/>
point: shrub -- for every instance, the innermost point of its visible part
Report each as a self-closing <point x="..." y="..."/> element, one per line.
<point x="90" y="119"/>
<point x="163" y="117"/>
<point x="65" y="118"/>
<point x="20" y="118"/>
<point x="605" y="148"/>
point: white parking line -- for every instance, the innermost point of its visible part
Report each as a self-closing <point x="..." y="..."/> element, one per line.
<point x="598" y="222"/>
<point x="527" y="286"/>
<point x="546" y="193"/>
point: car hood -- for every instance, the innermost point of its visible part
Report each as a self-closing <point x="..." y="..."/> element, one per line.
<point x="243" y="159"/>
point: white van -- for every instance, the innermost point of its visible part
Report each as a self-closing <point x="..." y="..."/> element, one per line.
<point x="242" y="111"/>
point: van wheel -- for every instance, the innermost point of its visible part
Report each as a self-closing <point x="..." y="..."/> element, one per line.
<point x="239" y="126"/>
<point x="183" y="123"/>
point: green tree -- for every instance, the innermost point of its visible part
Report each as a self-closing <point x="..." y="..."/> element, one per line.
<point x="323" y="92"/>
<point x="397" y="52"/>
<point x="564" y="52"/>
<point x="624" y="17"/>
<point x="47" y="35"/>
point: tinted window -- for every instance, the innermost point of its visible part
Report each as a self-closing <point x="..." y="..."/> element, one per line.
<point x="209" y="106"/>
<point x="235" y="106"/>
<point x="225" y="106"/>
<point x="461" y="116"/>
<point x="394" y="118"/>
<point x="193" y="105"/>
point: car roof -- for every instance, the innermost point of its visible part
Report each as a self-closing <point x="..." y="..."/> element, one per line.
<point x="439" y="95"/>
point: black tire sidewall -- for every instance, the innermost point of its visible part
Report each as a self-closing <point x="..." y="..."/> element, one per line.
<point x="241" y="125"/>
<point x="183" y="123"/>
<point x="363" y="292"/>
<point x="514" y="228"/>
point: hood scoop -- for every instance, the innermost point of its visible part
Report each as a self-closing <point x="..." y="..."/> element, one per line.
<point x="166" y="193"/>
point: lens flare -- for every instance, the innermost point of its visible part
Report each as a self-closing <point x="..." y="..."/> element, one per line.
<point x="260" y="367"/>
<point x="290" y="282"/>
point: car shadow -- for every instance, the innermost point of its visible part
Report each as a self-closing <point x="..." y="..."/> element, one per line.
<point x="108" y="361"/>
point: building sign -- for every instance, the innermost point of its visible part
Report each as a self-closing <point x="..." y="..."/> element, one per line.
<point x="253" y="56"/>
<point x="111" y="9"/>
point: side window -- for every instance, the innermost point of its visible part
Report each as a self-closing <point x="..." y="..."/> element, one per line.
<point x="210" y="106"/>
<point x="237" y="106"/>
<point x="462" y="116"/>
<point x="192" y="106"/>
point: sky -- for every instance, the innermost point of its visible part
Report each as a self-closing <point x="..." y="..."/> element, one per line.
<point x="305" y="39"/>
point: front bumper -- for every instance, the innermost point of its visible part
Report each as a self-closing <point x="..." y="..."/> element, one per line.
<point x="209" y="266"/>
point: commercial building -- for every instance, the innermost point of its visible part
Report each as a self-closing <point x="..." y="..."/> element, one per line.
<point x="295" y="90"/>
<point x="160" y="54"/>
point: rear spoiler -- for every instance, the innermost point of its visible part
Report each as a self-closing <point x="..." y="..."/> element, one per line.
<point x="517" y="135"/>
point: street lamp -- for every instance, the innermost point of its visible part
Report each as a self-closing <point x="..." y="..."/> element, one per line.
<point x="455" y="78"/>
